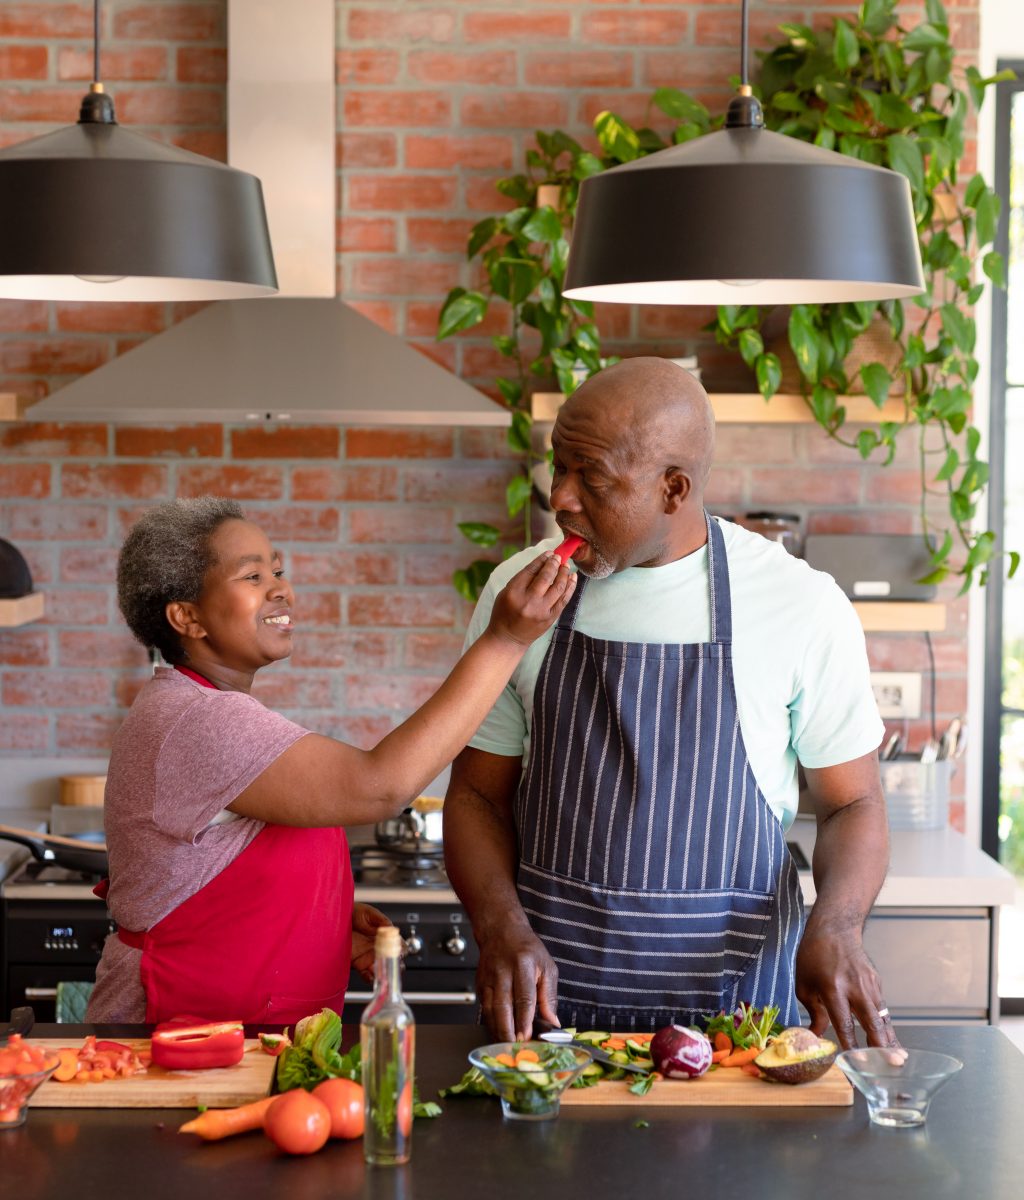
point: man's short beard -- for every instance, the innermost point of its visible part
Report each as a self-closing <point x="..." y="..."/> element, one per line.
<point x="601" y="569"/>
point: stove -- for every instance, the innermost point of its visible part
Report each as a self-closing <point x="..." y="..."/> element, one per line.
<point x="52" y="929"/>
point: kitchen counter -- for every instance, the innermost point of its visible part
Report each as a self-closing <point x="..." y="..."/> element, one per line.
<point x="970" y="1147"/>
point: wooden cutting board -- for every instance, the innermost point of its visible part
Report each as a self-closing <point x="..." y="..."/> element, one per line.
<point x="718" y="1088"/>
<point x="226" y="1087"/>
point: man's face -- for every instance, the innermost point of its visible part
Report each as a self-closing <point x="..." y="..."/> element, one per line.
<point x="604" y="491"/>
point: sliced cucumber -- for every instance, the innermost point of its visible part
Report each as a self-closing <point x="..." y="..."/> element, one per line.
<point x="593" y="1037"/>
<point x="594" y="1070"/>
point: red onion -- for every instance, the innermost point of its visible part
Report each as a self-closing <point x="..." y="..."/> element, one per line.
<point x="680" y="1052"/>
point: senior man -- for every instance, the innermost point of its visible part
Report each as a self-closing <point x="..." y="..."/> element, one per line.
<point x="615" y="830"/>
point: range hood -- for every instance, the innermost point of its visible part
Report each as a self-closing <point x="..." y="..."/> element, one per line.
<point x="303" y="356"/>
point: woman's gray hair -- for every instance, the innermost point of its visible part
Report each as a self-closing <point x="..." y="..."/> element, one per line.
<point x="165" y="558"/>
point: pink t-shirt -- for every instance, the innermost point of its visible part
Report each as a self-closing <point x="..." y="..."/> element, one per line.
<point x="183" y="754"/>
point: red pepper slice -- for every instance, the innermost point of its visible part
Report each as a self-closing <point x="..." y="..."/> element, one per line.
<point x="198" y="1047"/>
<point x="274" y="1043"/>
<point x="569" y="547"/>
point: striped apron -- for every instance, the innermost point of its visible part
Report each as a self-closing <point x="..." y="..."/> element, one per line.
<point x="651" y="865"/>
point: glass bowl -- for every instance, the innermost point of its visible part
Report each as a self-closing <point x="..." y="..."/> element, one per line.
<point x="532" y="1089"/>
<point x="898" y="1093"/>
<point x="15" y="1093"/>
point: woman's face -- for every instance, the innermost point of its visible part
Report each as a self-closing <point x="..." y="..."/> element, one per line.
<point x="245" y="607"/>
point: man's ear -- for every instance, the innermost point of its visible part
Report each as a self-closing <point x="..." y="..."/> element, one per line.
<point x="184" y="619"/>
<point x="677" y="488"/>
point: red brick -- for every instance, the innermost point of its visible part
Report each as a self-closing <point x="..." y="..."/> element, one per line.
<point x="628" y="27"/>
<point x="67" y="606"/>
<point x="496" y="68"/>
<point x="796" y="485"/>
<point x="292" y="689"/>
<point x="113" y="480"/>
<point x="726" y="486"/>
<point x="898" y="653"/>
<point x="24" y="316"/>
<point x="484" y="362"/>
<point x="169" y="441"/>
<point x="81" y="648"/>
<point x="415" y="526"/>
<point x="366" y="66"/>
<point x="401" y="25"/>
<point x="296" y="524"/>
<point x="456" y="483"/>
<point x="398" y="443"/>
<point x="515" y="27"/>
<point x="722" y="28"/>
<point x="367" y="234"/>
<point x="485" y="443"/>
<point x="482" y="197"/>
<point x="344" y="483"/>
<point x="633" y="107"/>
<point x="364" y="732"/>
<point x="404" y="276"/>
<point x="107" y="317"/>
<point x="45" y="440"/>
<point x="583" y="68"/>
<point x="398" y="108"/>
<point x="370" y="651"/>
<point x="380" y="312"/>
<point x="444" y="354"/>
<point x="689" y="69"/>
<point x="127" y="687"/>
<point x="432" y="570"/>
<point x="236" y="483"/>
<point x="93" y="565"/>
<point x="25" y="480"/>
<point x="170" y="106"/>
<point x="402" y="693"/>
<point x="432" y="651"/>
<point x="317" y="608"/>
<point x="24" y="648"/>
<point x="864" y="520"/>
<point x="400" y="193"/>
<point x="614" y="320"/>
<point x="138" y="64"/>
<point x="94" y="731"/>
<point x="444" y="234"/>
<point x="672" y="320"/>
<point x="57" y="689"/>
<point x="754" y="444"/>
<point x="45" y="20"/>
<point x="24" y="731"/>
<point x="23" y="62"/>
<point x="171" y="22"/>
<point x="343" y="568"/>
<point x="286" y="441"/>
<point x="59" y="105"/>
<point x="951" y="695"/>
<point x="483" y="150"/>
<point x="66" y="356"/>
<point x="964" y="30"/>
<point x="514" y="110"/>
<point x="366" y="150"/>
<point x="40" y="559"/>
<point x="202" y="64"/>
<point x="54" y="522"/>
<point x="212" y="143"/>
<point x="397" y="612"/>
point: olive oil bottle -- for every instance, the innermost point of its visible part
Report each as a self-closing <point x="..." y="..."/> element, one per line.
<point x="388" y="1035"/>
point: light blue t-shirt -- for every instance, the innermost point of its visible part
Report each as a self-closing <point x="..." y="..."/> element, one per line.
<point x="799" y="659"/>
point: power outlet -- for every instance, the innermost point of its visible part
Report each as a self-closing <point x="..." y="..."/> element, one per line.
<point x="897" y="694"/>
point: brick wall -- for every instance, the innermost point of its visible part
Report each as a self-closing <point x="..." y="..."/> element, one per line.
<point x="435" y="101"/>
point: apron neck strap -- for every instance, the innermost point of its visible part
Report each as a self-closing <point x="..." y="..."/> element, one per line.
<point x="718" y="583"/>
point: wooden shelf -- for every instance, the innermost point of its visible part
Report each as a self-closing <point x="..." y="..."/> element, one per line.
<point x="750" y="408"/>
<point x="21" y="611"/>
<point x="901" y="616"/>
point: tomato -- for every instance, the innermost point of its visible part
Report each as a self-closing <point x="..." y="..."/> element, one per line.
<point x="298" y="1123"/>
<point x="344" y="1100"/>
<point x="405" y="1110"/>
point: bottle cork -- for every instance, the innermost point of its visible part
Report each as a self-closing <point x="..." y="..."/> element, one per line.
<point x="388" y="943"/>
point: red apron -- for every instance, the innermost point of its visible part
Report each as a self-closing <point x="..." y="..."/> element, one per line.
<point x="268" y="940"/>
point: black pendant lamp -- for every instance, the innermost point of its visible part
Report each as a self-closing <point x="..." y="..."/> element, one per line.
<point x="95" y="212"/>
<point x="744" y="216"/>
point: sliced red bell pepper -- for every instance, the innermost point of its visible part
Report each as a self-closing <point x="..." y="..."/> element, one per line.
<point x="568" y="548"/>
<point x="274" y="1043"/>
<point x="198" y="1047"/>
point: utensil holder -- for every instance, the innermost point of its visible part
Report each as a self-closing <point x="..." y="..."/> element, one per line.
<point x="917" y="793"/>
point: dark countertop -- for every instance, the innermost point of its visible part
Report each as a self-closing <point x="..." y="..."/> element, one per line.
<point x="972" y="1146"/>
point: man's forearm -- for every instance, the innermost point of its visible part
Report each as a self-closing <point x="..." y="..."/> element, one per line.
<point x="851" y="857"/>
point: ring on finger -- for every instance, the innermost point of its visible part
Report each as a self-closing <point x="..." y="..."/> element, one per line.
<point x="884" y="1014"/>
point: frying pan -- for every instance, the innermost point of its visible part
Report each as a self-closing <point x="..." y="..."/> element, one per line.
<point x="75" y="854"/>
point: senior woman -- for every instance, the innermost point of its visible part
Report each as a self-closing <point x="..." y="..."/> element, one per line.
<point x="229" y="872"/>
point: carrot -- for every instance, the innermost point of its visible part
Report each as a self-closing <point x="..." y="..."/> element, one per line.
<point x="506" y="1060"/>
<point x="642" y="1038"/>
<point x="614" y="1043"/>
<point x="527" y="1056"/>
<point x="217" y="1123"/>
<point x="67" y="1068"/>
<point x="751" y="1069"/>
<point x="723" y="1041"/>
<point x="718" y="1055"/>
<point x="739" y="1057"/>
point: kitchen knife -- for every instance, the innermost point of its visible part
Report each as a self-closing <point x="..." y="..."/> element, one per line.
<point x="22" y="1020"/>
<point x="559" y="1037"/>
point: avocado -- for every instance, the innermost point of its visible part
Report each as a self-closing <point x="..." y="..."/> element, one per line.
<point x="796" y="1056"/>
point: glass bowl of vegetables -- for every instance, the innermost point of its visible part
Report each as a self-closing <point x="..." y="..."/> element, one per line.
<point x="530" y="1077"/>
<point x="23" y="1067"/>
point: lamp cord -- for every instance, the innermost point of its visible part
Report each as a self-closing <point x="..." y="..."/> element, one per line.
<point x="96" y="40"/>
<point x="743" y="42"/>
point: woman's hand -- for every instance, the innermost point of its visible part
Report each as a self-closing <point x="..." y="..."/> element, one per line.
<point x="366" y="920"/>
<point x="530" y="603"/>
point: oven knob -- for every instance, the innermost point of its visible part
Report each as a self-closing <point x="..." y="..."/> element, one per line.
<point x="414" y="943"/>
<point x="456" y="944"/>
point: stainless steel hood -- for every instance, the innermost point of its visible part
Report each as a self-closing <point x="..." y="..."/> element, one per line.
<point x="304" y="356"/>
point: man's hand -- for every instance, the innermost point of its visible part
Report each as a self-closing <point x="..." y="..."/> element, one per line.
<point x="837" y="983"/>
<point x="366" y="920"/>
<point x="516" y="978"/>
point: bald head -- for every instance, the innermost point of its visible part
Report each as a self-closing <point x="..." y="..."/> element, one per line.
<point x="659" y="411"/>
